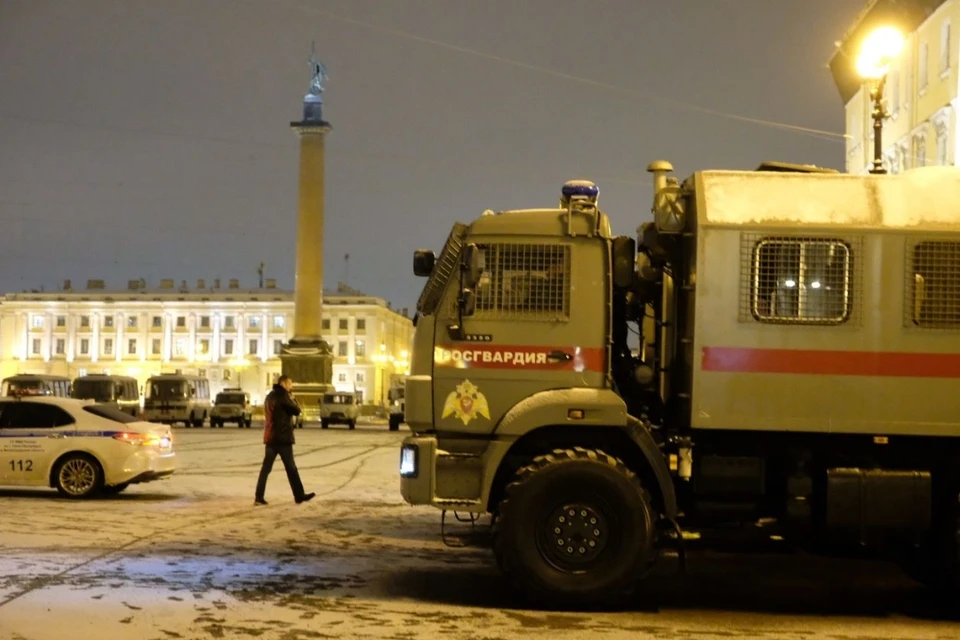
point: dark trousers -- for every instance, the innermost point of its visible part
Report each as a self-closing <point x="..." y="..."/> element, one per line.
<point x="285" y="451"/>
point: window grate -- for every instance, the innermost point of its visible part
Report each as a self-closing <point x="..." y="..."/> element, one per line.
<point x="524" y="282"/>
<point x="445" y="266"/>
<point x="798" y="279"/>
<point x="932" y="284"/>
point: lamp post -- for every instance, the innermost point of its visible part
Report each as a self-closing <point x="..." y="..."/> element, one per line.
<point x="877" y="54"/>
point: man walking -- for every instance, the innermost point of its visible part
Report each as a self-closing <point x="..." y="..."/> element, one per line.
<point x="279" y="409"/>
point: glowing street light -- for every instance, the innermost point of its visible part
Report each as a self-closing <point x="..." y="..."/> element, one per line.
<point x="877" y="53"/>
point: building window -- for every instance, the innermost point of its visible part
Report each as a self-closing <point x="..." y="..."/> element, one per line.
<point x="204" y="322"/>
<point x="325" y="323"/>
<point x="156" y="346"/>
<point x="801" y="281"/>
<point x="61" y="321"/>
<point x="108" y="322"/>
<point x="180" y="347"/>
<point x="157" y="322"/>
<point x="132" y="347"/>
<point x="84" y="321"/>
<point x="108" y="346"/>
<point x="944" y="47"/>
<point x="920" y="151"/>
<point x="203" y="347"/>
<point x="84" y="346"/>
<point x="61" y="346"/>
<point x="361" y="324"/>
<point x="361" y="348"/>
<point x="253" y="347"/>
<point x="35" y="347"/>
<point x="360" y="377"/>
<point x="36" y="321"/>
<point x="277" y="347"/>
<point x="524" y="282"/>
<point x="279" y="322"/>
<point x="933" y="296"/>
<point x="181" y="322"/>
<point x="131" y="322"/>
<point x="228" y="347"/>
<point x="343" y="324"/>
<point x="342" y="348"/>
<point x="341" y="377"/>
<point x="923" y="72"/>
<point x="253" y="322"/>
<point x="228" y="322"/>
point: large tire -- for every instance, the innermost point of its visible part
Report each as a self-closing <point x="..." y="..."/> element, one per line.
<point x="575" y="528"/>
<point x="324" y="424"/>
<point x="352" y="424"/>
<point x="936" y="563"/>
<point x="78" y="475"/>
<point x="395" y="423"/>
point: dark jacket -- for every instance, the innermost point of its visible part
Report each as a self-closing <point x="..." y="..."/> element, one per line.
<point x="278" y="412"/>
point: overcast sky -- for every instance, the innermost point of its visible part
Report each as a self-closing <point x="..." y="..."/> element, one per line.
<point x="151" y="139"/>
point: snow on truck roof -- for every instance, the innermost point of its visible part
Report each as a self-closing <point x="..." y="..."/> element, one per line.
<point x="927" y="197"/>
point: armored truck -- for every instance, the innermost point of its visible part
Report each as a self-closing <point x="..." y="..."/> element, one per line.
<point x="778" y="347"/>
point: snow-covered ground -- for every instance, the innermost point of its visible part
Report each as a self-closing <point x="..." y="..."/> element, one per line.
<point x="192" y="557"/>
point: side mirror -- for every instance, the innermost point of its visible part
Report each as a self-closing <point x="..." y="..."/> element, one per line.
<point x="467" y="302"/>
<point x="471" y="266"/>
<point x="423" y="262"/>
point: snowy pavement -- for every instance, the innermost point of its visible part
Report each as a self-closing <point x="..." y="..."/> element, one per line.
<point x="191" y="557"/>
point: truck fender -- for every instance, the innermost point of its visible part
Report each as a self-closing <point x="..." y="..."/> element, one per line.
<point x="657" y="462"/>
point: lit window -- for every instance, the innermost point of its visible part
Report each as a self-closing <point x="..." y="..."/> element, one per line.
<point x="253" y="322"/>
<point x="131" y="322"/>
<point x="342" y="348"/>
<point x="361" y="348"/>
<point x="277" y="347"/>
<point x="180" y="347"/>
<point x="203" y="347"/>
<point x="279" y="322"/>
<point x="108" y="322"/>
<point x="36" y="321"/>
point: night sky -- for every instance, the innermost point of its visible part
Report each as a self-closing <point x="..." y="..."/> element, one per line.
<point x="151" y="139"/>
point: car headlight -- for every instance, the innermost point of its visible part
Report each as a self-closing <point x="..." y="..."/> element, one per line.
<point x="409" y="459"/>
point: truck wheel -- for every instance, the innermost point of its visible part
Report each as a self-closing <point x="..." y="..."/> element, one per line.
<point x="395" y="423"/>
<point x="352" y="424"/>
<point x="78" y="476"/>
<point x="576" y="527"/>
<point x="249" y="421"/>
<point x="936" y="563"/>
<point x="324" y="424"/>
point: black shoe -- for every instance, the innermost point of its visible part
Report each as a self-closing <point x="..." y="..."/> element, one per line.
<point x="307" y="497"/>
<point x="259" y="501"/>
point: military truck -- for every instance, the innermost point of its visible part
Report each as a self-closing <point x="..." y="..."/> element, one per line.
<point x="795" y="367"/>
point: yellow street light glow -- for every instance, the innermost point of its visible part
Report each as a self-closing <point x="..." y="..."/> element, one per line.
<point x="878" y="52"/>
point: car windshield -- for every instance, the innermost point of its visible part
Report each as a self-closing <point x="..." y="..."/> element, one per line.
<point x="99" y="390"/>
<point x="337" y="398"/>
<point x="110" y="413"/>
<point x="230" y="398"/>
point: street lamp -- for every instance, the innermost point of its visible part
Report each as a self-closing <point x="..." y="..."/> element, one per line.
<point x="877" y="54"/>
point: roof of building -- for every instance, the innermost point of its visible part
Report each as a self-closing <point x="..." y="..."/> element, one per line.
<point x="906" y="15"/>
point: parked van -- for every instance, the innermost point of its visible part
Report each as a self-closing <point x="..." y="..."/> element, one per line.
<point x="173" y="398"/>
<point x="339" y="407"/>
<point x="29" y="384"/>
<point x="121" y="392"/>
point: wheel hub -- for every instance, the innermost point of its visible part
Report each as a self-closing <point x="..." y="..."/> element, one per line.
<point x="578" y="533"/>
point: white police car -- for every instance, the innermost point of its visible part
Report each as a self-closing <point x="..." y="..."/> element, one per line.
<point x="79" y="447"/>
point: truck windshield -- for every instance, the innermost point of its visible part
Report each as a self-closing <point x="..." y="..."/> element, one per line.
<point x="167" y="390"/>
<point x="337" y="398"/>
<point x="25" y="388"/>
<point x="99" y="390"/>
<point x="230" y="398"/>
<point x="445" y="267"/>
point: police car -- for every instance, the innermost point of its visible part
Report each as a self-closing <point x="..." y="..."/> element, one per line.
<point x="79" y="447"/>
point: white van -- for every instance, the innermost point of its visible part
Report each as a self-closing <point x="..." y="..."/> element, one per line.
<point x="339" y="407"/>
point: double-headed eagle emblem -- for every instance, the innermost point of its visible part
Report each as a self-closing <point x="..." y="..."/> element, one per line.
<point x="466" y="403"/>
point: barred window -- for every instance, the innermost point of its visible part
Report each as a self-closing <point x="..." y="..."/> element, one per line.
<point x="801" y="280"/>
<point x="934" y="284"/>
<point x="524" y="282"/>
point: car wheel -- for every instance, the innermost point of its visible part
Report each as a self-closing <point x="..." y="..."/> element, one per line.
<point x="249" y="422"/>
<point x="352" y="424"/>
<point x="78" y="476"/>
<point x="395" y="423"/>
<point x="114" y="490"/>
<point x="576" y="528"/>
<point x="324" y="424"/>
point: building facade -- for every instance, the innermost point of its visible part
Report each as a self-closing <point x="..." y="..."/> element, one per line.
<point x="921" y="90"/>
<point x="230" y="335"/>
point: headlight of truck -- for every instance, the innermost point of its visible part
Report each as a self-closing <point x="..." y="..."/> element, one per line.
<point x="409" y="459"/>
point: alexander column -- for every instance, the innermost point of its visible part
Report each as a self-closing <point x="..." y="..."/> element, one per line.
<point x="307" y="359"/>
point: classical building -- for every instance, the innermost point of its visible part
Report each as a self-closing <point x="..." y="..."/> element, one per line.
<point x="232" y="335"/>
<point x="921" y="90"/>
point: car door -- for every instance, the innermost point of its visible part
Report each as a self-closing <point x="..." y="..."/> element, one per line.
<point x="32" y="434"/>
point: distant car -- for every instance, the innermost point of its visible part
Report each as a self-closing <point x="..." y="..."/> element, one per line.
<point x="79" y="447"/>
<point x="231" y="405"/>
<point x="339" y="407"/>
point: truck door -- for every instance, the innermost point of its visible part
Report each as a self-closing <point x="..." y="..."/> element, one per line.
<point x="540" y="323"/>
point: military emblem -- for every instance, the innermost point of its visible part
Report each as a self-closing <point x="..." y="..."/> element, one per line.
<point x="466" y="403"/>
